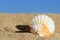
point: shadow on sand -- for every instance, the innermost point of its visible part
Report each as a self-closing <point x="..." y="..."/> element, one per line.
<point x="23" y="29"/>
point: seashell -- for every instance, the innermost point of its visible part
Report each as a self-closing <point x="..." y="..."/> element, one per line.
<point x="43" y="25"/>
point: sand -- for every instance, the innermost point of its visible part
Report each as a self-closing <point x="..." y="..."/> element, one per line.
<point x="8" y="23"/>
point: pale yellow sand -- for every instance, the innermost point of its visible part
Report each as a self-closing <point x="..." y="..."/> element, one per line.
<point x="8" y="23"/>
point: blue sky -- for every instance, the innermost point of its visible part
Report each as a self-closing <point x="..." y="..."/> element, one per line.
<point x="30" y="6"/>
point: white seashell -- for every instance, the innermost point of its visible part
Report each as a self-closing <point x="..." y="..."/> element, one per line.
<point x="38" y="21"/>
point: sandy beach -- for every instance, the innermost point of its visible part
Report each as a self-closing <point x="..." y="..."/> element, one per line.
<point x="8" y="23"/>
